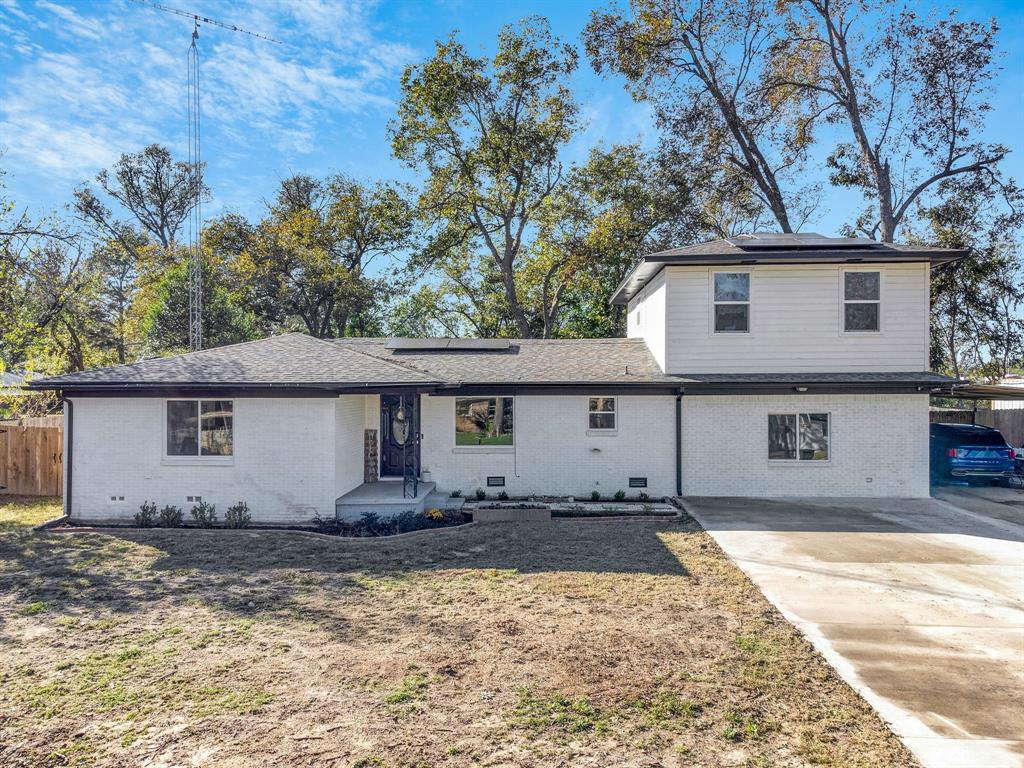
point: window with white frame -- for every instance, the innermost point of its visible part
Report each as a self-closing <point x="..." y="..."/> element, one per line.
<point x="798" y="437"/>
<point x="200" y="428"/>
<point x="602" y="413"/>
<point x="731" y="302"/>
<point x="862" y="301"/>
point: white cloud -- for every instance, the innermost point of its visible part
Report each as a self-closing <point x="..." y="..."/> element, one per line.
<point x="72" y="24"/>
<point x="84" y="84"/>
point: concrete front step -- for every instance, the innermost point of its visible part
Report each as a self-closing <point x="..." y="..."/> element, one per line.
<point x="383" y="498"/>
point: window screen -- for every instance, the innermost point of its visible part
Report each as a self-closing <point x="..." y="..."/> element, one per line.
<point x="861" y="301"/>
<point x="732" y="302"/>
<point x="602" y="413"/>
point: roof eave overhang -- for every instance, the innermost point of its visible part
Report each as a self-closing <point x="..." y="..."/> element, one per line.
<point x="246" y="389"/>
<point x="831" y="388"/>
<point x="195" y="389"/>
<point x="651" y="265"/>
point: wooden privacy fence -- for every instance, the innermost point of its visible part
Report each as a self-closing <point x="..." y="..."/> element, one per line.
<point x="31" y="456"/>
<point x="1009" y="422"/>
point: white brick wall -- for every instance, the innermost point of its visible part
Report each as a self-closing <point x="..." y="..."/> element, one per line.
<point x="350" y="419"/>
<point x="294" y="455"/>
<point x="879" y="446"/>
<point x="553" y="452"/>
<point x="284" y="459"/>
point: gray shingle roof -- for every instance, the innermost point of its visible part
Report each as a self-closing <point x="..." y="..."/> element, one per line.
<point x="296" y="361"/>
<point x="535" y="361"/>
<point x="291" y="359"/>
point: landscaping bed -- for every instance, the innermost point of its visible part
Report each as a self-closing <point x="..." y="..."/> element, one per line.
<point x="572" y="508"/>
<point x="577" y="642"/>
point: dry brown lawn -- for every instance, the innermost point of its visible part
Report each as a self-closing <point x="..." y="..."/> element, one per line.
<point x="570" y="643"/>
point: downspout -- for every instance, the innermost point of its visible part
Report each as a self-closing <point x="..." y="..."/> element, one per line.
<point x="69" y="446"/>
<point x="679" y="443"/>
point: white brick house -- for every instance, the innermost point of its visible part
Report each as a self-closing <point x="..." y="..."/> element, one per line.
<point x="762" y="365"/>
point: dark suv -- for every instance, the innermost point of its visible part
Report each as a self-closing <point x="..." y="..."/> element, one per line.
<point x="967" y="452"/>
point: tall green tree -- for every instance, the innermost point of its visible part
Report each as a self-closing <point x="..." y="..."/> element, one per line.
<point x="614" y="209"/>
<point x="40" y="275"/>
<point x="912" y="94"/>
<point x="977" y="320"/>
<point x="306" y="262"/>
<point x="488" y="133"/>
<point x="165" y="324"/>
<point x="701" y="64"/>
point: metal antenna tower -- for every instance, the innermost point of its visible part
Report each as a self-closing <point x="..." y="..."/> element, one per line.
<point x="195" y="221"/>
<point x="195" y="224"/>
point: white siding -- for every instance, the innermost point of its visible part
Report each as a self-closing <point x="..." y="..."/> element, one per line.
<point x="553" y="454"/>
<point x="878" y="446"/>
<point x="796" y="322"/>
<point x="283" y="465"/>
<point x="349" y="422"/>
<point x="645" y="317"/>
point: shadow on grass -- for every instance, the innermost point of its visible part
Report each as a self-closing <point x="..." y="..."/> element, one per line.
<point x="274" y="573"/>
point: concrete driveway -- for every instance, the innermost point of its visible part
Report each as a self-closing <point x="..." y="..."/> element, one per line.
<point x="919" y="605"/>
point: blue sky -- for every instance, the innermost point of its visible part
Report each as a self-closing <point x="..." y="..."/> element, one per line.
<point x="81" y="82"/>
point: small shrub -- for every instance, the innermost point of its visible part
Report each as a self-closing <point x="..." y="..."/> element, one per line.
<point x="205" y="514"/>
<point x="595" y="495"/>
<point x="170" y="517"/>
<point x="481" y="494"/>
<point x="503" y="496"/>
<point x="456" y="494"/>
<point x="433" y="514"/>
<point x="404" y="522"/>
<point x="620" y="495"/>
<point x="237" y="516"/>
<point x="146" y="516"/>
<point x="644" y="496"/>
<point x="330" y="525"/>
<point x="368" y="524"/>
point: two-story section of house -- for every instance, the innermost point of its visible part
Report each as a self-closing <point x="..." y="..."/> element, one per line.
<point x="764" y="365"/>
<point x="804" y="361"/>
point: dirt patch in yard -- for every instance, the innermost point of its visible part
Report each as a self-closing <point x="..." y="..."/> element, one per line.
<point x="569" y="643"/>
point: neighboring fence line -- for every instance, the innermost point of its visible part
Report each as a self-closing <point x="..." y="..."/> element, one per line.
<point x="1009" y="422"/>
<point x="31" y="456"/>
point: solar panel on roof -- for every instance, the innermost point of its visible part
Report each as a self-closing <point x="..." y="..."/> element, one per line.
<point x="478" y="344"/>
<point x="785" y="240"/>
<point x="416" y="344"/>
<point x="439" y="345"/>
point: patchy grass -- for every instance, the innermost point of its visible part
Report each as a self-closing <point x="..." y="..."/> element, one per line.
<point x="569" y="643"/>
<point x="558" y="712"/>
<point x="18" y="512"/>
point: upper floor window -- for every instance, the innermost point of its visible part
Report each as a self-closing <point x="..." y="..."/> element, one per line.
<point x="862" y="299"/>
<point x="732" y="302"/>
<point x="200" y="427"/>
<point x="602" y="413"/>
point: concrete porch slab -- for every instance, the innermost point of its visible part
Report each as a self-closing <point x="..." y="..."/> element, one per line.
<point x="383" y="498"/>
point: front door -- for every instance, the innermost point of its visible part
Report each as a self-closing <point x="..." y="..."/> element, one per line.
<point x="399" y="434"/>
